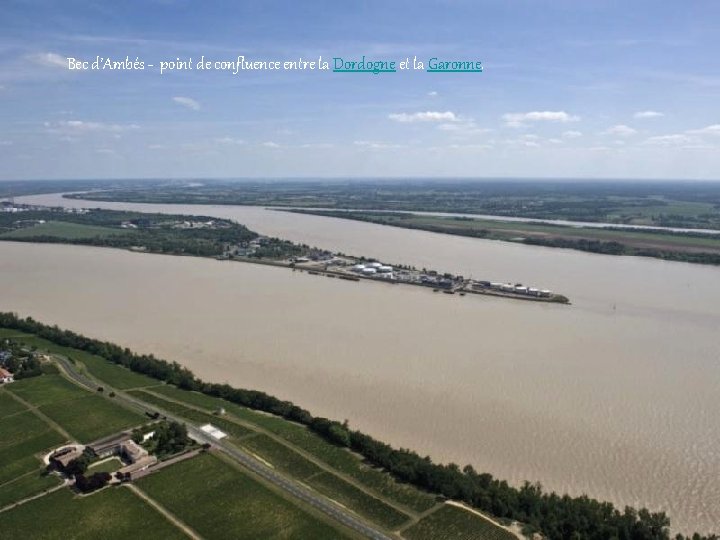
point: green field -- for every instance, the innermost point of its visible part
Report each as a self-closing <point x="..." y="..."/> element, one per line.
<point x="64" y="230"/>
<point x="220" y="502"/>
<point x="282" y="457"/>
<point x="453" y="523"/>
<point x="348" y="495"/>
<point x="83" y="415"/>
<point x="111" y="514"/>
<point x="116" y="376"/>
<point x="46" y="390"/>
<point x="92" y="417"/>
<point x="26" y="486"/>
<point x="9" y="405"/>
<point x="338" y="458"/>
<point x="330" y="485"/>
<point x="10" y="333"/>
<point x="22" y="437"/>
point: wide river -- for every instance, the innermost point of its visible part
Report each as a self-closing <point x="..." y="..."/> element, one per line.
<point x="616" y="396"/>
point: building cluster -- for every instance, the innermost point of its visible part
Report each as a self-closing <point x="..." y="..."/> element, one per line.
<point x="249" y="248"/>
<point x="6" y="355"/>
<point x="518" y="288"/>
<point x="321" y="262"/>
<point x="135" y="457"/>
<point x="17" y="360"/>
<point x="374" y="269"/>
<point x="210" y="224"/>
<point x="11" y="207"/>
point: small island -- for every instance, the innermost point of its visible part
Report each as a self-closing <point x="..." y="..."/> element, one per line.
<point x="225" y="239"/>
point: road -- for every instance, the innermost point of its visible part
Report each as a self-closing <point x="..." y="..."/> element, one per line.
<point x="288" y="485"/>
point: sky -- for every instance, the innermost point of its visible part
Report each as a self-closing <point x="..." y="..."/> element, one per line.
<point x="591" y="89"/>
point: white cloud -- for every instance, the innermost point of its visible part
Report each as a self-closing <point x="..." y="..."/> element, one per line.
<point x="463" y="127"/>
<point x="620" y="130"/>
<point x="427" y="116"/>
<point x="571" y="134"/>
<point x="676" y="139"/>
<point x="76" y="127"/>
<point x="479" y="146"/>
<point x="317" y="145"/>
<point x="520" y="119"/>
<point x="229" y="140"/>
<point x="529" y="141"/>
<point x="713" y="129"/>
<point x="373" y="145"/>
<point x="50" y="59"/>
<point x="648" y="114"/>
<point x="270" y="144"/>
<point x="187" y="102"/>
<point x="433" y="93"/>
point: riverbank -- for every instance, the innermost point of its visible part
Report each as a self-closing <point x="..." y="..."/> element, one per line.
<point x="693" y="247"/>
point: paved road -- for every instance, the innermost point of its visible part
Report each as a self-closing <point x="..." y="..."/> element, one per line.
<point x="286" y="484"/>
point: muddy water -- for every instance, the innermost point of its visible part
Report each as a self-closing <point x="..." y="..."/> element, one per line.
<point x="615" y="396"/>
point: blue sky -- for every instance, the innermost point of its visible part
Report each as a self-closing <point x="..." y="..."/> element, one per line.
<point x="570" y="89"/>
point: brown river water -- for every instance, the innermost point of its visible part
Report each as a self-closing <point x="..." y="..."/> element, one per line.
<point x="616" y="396"/>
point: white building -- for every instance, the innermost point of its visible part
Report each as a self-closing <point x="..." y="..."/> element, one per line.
<point x="5" y="376"/>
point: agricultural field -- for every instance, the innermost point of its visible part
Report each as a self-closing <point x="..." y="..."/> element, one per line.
<point x="46" y="390"/>
<point x="83" y="415"/>
<point x="219" y="501"/>
<point x="23" y="437"/>
<point x="26" y="485"/>
<point x="453" y="523"/>
<point x="91" y="417"/>
<point x="62" y="230"/>
<point x="330" y="485"/>
<point x="337" y="458"/>
<point x="282" y="457"/>
<point x="9" y="405"/>
<point x="367" y="506"/>
<point x="111" y="514"/>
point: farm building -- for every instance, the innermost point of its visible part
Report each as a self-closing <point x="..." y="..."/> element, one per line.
<point x="5" y="376"/>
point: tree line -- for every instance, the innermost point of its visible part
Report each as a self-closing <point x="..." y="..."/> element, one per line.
<point x="555" y="516"/>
